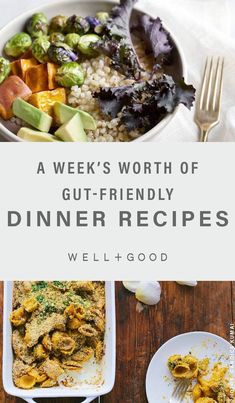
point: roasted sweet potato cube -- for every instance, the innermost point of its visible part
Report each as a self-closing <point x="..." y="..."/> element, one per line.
<point x="13" y="87"/>
<point x="51" y="71"/>
<point x="19" y="67"/>
<point x="36" y="78"/>
<point x="45" y="100"/>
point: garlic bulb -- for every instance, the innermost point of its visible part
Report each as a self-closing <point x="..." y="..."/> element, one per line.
<point x="131" y="285"/>
<point x="148" y="292"/>
<point x="192" y="283"/>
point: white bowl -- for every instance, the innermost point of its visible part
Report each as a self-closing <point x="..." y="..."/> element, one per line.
<point x="89" y="7"/>
<point x="87" y="389"/>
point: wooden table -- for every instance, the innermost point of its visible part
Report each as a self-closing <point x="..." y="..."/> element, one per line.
<point x="210" y="307"/>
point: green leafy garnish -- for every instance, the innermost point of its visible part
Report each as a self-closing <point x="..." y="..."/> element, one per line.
<point x="59" y="284"/>
<point x="40" y="285"/>
<point x="40" y="298"/>
<point x="50" y="309"/>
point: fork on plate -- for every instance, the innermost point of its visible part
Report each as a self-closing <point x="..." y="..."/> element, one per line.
<point x="207" y="113"/>
<point x="180" y="391"/>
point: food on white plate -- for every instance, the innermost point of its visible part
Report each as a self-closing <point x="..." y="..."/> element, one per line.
<point x="208" y="384"/>
<point x="103" y="65"/>
<point x="184" y="367"/>
<point x="191" y="283"/>
<point x="57" y="327"/>
<point x="148" y="292"/>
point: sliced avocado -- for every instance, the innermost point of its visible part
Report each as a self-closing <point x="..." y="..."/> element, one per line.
<point x="72" y="130"/>
<point x="33" y="116"/>
<point x="32" y="135"/>
<point x="64" y="112"/>
<point x="89" y="123"/>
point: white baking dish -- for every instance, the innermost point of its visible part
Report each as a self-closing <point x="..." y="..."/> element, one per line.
<point x="90" y="7"/>
<point x="90" y="392"/>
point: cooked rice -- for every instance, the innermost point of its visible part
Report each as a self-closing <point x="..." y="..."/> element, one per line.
<point x="99" y="74"/>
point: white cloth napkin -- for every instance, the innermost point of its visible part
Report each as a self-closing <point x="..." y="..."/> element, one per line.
<point x="203" y="28"/>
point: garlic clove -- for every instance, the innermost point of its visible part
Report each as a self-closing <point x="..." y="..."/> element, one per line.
<point x="131" y="285"/>
<point x="149" y="292"/>
<point x="192" y="283"/>
<point x="139" y="307"/>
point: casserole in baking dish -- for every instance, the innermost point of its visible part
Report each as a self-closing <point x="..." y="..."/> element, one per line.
<point x="86" y="387"/>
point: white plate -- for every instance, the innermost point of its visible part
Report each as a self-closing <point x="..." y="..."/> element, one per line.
<point x="159" y="382"/>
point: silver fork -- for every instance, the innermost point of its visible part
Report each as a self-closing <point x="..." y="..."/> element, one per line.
<point x="180" y="391"/>
<point x="208" y="108"/>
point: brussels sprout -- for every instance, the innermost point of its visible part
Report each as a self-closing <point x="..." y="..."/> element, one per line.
<point x="39" y="49"/>
<point x="85" y="42"/>
<point x="37" y="25"/>
<point x="5" y="69"/>
<point x="57" y="24"/>
<point x="18" y="44"/>
<point x="57" y="37"/>
<point x="78" y="25"/>
<point x="72" y="40"/>
<point x="61" y="53"/>
<point x="95" y="24"/>
<point x="102" y="16"/>
<point x="70" y="74"/>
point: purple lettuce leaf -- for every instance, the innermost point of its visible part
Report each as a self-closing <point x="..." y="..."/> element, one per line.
<point x="113" y="99"/>
<point x="116" y="42"/>
<point x="122" y="57"/>
<point x="157" y="39"/>
<point x="144" y="104"/>
<point x="119" y="25"/>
